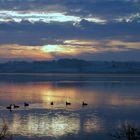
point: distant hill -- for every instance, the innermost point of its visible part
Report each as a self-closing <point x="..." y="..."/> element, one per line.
<point x="70" y="66"/>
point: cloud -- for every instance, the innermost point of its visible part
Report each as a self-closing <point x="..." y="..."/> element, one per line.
<point x="99" y="27"/>
<point x="104" y="50"/>
<point x="40" y="33"/>
<point x="107" y="9"/>
<point x="19" y="52"/>
<point x="128" y="55"/>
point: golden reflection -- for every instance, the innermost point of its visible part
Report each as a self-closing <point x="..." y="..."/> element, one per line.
<point x="55" y="124"/>
<point x="116" y="100"/>
<point x="15" y="126"/>
<point x="44" y="93"/>
<point x="44" y="125"/>
<point x="58" y="121"/>
<point x="92" y="125"/>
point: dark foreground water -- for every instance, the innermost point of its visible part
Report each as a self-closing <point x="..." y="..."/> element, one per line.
<point x="112" y="99"/>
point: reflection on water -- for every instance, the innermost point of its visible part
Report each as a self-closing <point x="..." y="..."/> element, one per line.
<point x="94" y="93"/>
<point x="109" y="104"/>
<point x="50" y="123"/>
<point x="45" y="125"/>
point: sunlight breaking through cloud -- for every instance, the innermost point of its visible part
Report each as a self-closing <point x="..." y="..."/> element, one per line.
<point x="18" y="16"/>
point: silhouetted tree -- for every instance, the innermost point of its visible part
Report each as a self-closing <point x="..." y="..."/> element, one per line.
<point x="126" y="132"/>
<point x="4" y="132"/>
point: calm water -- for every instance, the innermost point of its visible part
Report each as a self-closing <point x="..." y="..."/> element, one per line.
<point x="112" y="99"/>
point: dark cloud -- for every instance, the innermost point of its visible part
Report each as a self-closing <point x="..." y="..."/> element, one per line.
<point x="109" y="9"/>
<point x="128" y="55"/>
<point x="40" y="33"/>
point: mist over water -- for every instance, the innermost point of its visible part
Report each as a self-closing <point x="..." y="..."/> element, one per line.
<point x="112" y="100"/>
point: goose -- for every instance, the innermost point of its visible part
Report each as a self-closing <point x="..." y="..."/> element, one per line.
<point x="26" y="104"/>
<point x="15" y="106"/>
<point x="67" y="103"/>
<point x="9" y="107"/>
<point x="84" y="104"/>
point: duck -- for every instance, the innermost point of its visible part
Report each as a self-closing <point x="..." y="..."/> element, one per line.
<point x="51" y="103"/>
<point x="68" y="103"/>
<point x="26" y="104"/>
<point x="84" y="104"/>
<point x="15" y="106"/>
<point x="9" y="107"/>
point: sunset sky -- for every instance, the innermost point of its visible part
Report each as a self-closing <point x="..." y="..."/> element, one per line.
<point x="85" y="29"/>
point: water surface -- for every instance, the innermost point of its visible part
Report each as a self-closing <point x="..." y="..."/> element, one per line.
<point x="112" y="100"/>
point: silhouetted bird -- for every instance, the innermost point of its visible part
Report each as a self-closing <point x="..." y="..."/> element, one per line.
<point x="67" y="103"/>
<point x="15" y="106"/>
<point x="51" y="103"/>
<point x="84" y="104"/>
<point x="9" y="107"/>
<point x="26" y="104"/>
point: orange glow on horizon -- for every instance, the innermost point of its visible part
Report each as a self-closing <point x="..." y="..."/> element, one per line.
<point x="69" y="48"/>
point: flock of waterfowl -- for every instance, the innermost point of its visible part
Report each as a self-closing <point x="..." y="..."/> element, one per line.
<point x="68" y="103"/>
<point x="13" y="106"/>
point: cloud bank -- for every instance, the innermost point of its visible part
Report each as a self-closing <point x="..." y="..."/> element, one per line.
<point x="87" y="29"/>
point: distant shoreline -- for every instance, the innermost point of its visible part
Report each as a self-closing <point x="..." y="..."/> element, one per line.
<point x="70" y="66"/>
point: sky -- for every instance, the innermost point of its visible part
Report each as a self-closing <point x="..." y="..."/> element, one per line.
<point x="104" y="30"/>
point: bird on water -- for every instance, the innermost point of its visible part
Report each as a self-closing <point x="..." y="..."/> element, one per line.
<point x="51" y="103"/>
<point x="9" y="107"/>
<point x="26" y="104"/>
<point x="84" y="104"/>
<point x="68" y="103"/>
<point x="16" y="106"/>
